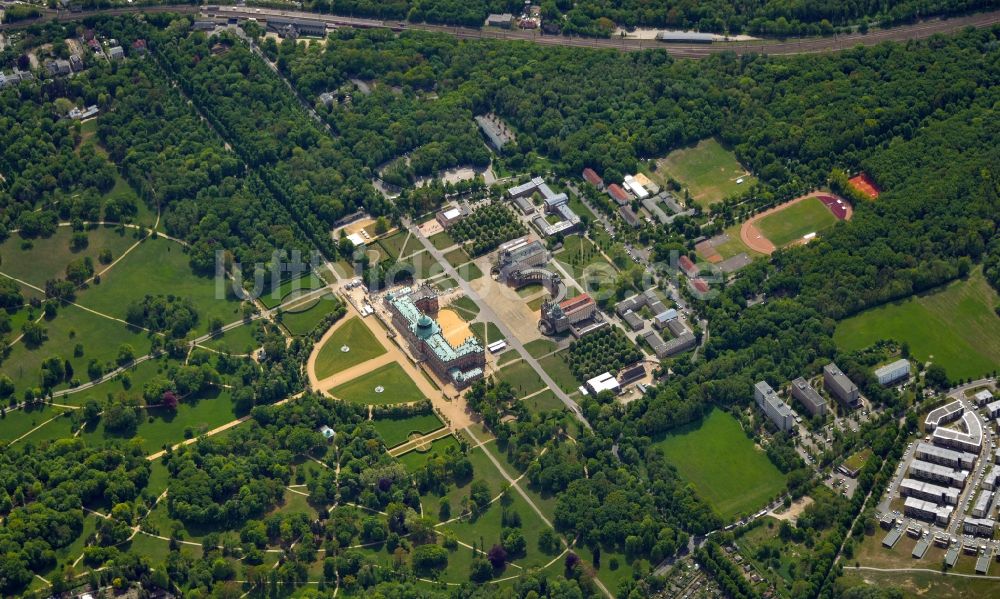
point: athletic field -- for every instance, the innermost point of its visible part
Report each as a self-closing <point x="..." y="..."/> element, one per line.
<point x="708" y="170"/>
<point x="792" y="223"/>
<point x="726" y="468"/>
<point x="954" y="326"/>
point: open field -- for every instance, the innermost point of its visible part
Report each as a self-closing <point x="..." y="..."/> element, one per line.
<point x="99" y="336"/>
<point x="442" y="240"/>
<point x="159" y="426"/>
<point x="397" y="430"/>
<point x="160" y="267"/>
<point x="724" y="466"/>
<point x="358" y="337"/>
<point x="46" y="258"/>
<point x="287" y="290"/>
<point x="457" y="257"/>
<point x="790" y="224"/>
<point x="465" y="307"/>
<point x="522" y="378"/>
<point x="954" y="326"/>
<point x="398" y="388"/>
<point x="236" y="340"/>
<point x="579" y="255"/>
<point x="415" y="460"/>
<point x="923" y="585"/>
<point x="15" y="423"/>
<point x="557" y="368"/>
<point x="708" y="170"/>
<point x="540" y="347"/>
<point x="301" y="320"/>
<point x="544" y="401"/>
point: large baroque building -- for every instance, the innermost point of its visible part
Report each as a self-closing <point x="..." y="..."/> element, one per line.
<point x="412" y="315"/>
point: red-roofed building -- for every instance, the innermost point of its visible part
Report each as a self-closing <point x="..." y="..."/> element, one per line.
<point x="593" y="178"/>
<point x="139" y="46"/>
<point x="578" y="308"/>
<point x="689" y="267"/>
<point x="699" y="285"/>
<point x="619" y="194"/>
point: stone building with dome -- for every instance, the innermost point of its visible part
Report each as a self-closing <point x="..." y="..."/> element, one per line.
<point x="413" y="312"/>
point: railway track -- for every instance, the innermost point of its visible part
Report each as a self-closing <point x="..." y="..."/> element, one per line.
<point x="902" y="33"/>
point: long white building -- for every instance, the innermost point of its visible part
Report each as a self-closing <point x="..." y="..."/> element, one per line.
<point x="937" y="473"/>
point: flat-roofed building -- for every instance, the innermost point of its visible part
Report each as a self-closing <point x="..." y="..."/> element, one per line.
<point x="909" y="487"/>
<point x="920" y="549"/>
<point x="983" y="563"/>
<point x="927" y="511"/>
<point x="991" y="479"/>
<point x="960" y="460"/>
<point x="980" y="527"/>
<point x="970" y="438"/>
<point x="943" y="415"/>
<point x="810" y="399"/>
<point x="840" y="386"/>
<point x="682" y="343"/>
<point x="449" y="216"/>
<point x="981" y="508"/>
<point x="501" y="20"/>
<point x="660" y="347"/>
<point x="983" y="397"/>
<point x="772" y="406"/>
<point x="993" y="409"/>
<point x="893" y="372"/>
<point x="633" y="320"/>
<point x="951" y="557"/>
<point x="937" y="473"/>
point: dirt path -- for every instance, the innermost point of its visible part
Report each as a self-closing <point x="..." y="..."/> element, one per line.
<point x="792" y="513"/>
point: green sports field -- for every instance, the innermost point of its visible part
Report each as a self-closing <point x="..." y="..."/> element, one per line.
<point x="708" y="170"/>
<point x="354" y="334"/>
<point x="954" y="326"/>
<point x="398" y="387"/>
<point x="790" y="224"/>
<point x="725" y="467"/>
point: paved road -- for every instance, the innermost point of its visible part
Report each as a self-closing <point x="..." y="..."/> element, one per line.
<point x="487" y="313"/>
<point x="920" y="30"/>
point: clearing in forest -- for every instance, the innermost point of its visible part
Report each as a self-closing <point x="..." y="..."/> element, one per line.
<point x="708" y="170"/>
<point x="728" y="471"/>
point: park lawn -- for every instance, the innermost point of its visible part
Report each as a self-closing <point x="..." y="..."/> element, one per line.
<point x="446" y="283"/>
<point x="193" y="417"/>
<point x="470" y="271"/>
<point x="725" y="467"/>
<point x="99" y="336"/>
<point x="611" y="577"/>
<point x="792" y="223"/>
<point x="14" y="423"/>
<point x="397" y="430"/>
<point x="442" y="240"/>
<point x="399" y="388"/>
<point x="161" y="267"/>
<point x="487" y="332"/>
<point x="286" y="289"/>
<point x="356" y="335"/>
<point x="530" y="290"/>
<point x="424" y="265"/>
<point x="557" y="368"/>
<point x="236" y="341"/>
<point x="393" y="244"/>
<point x="301" y="320"/>
<point x="579" y="256"/>
<point x="415" y="460"/>
<point x="47" y="257"/>
<point x="541" y="347"/>
<point x="159" y="477"/>
<point x="954" y="326"/>
<point x="708" y="170"/>
<point x="579" y="207"/>
<point x="122" y="191"/>
<point x="544" y="402"/>
<point x="522" y="377"/>
<point x="457" y="257"/>
<point x="465" y="307"/>
<point x="535" y="305"/>
<point x="65" y="556"/>
<point x="296" y="503"/>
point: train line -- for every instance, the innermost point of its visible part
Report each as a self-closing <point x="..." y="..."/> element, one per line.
<point x="813" y="45"/>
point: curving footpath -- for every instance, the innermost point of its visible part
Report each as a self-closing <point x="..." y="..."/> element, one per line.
<point x="812" y="45"/>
